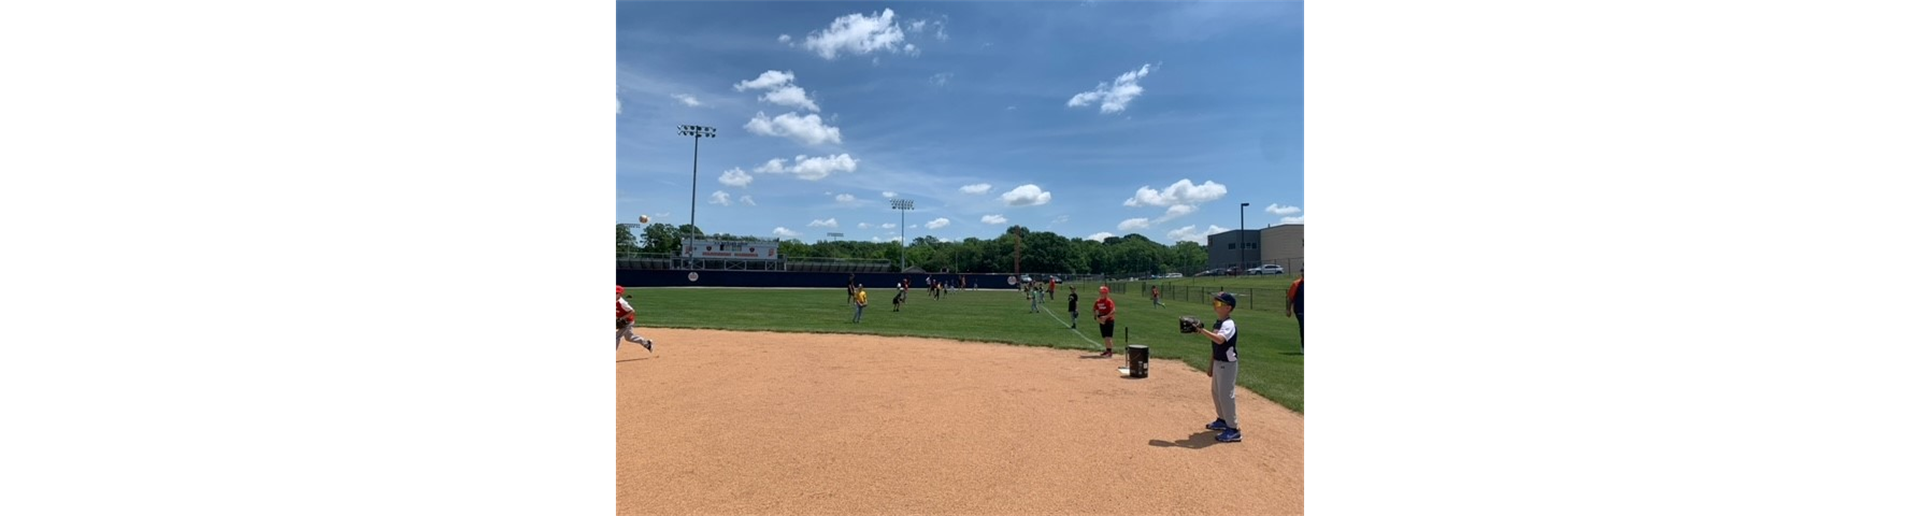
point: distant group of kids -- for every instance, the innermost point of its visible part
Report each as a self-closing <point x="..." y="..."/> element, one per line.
<point x="857" y="292"/>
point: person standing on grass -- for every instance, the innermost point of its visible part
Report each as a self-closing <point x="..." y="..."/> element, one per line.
<point x="1033" y="298"/>
<point x="1156" y="297"/>
<point x="1296" y="308"/>
<point x="1103" y="312"/>
<point x="1073" y="307"/>
<point x="850" y="287"/>
<point x="859" y="302"/>
<point x="899" y="298"/>
<point x="1051" y="284"/>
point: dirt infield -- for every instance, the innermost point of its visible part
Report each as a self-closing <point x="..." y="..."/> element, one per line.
<point x="718" y="422"/>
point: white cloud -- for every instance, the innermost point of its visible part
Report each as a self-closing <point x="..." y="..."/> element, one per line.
<point x="1175" y="211"/>
<point x="748" y="200"/>
<point x="940" y="79"/>
<point x="781" y="88"/>
<point x="843" y="198"/>
<point x="804" y="129"/>
<point x="913" y="226"/>
<point x="1100" y="236"/>
<point x="888" y="195"/>
<point x="888" y="225"/>
<point x="917" y="26"/>
<point x="1293" y="220"/>
<point x="894" y="239"/>
<point x="790" y="96"/>
<point x="1114" y="98"/>
<point x="786" y="39"/>
<point x="766" y="80"/>
<point x="1276" y="209"/>
<point x="829" y="223"/>
<point x="736" y="178"/>
<point x="876" y="240"/>
<point x="811" y="169"/>
<point x="1133" y="224"/>
<point x="976" y="189"/>
<point x="939" y="223"/>
<point x="817" y="168"/>
<point x="773" y="166"/>
<point x="1189" y="234"/>
<point x="1026" y="195"/>
<point x="857" y="34"/>
<point x="782" y="232"/>
<point x="1183" y="192"/>
<point x="912" y="50"/>
<point x="720" y="198"/>
<point x="864" y="225"/>
<point x="687" y="99"/>
<point x="993" y="219"/>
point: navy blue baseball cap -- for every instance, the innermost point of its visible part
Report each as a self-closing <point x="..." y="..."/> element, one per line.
<point x="1226" y="298"/>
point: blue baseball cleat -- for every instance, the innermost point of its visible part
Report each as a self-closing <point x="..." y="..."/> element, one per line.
<point x="1218" y="425"/>
<point x="1232" y="435"/>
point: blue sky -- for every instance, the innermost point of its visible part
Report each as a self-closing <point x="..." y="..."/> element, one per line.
<point x="1085" y="119"/>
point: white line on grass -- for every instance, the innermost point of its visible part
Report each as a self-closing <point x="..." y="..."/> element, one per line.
<point x="1076" y="331"/>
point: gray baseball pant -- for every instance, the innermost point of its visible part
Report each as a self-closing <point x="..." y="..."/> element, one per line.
<point x="1224" y="376"/>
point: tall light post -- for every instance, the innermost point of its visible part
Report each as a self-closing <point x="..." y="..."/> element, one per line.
<point x="903" y="205"/>
<point x="1243" y="238"/>
<point x="697" y="132"/>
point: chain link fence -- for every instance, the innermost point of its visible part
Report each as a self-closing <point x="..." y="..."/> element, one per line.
<point x="1271" y="299"/>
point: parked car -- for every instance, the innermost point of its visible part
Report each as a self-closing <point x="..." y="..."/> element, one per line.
<point x="1269" y="269"/>
<point x="1174" y="275"/>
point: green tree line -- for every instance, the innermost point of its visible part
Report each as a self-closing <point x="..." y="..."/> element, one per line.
<point x="1039" y="251"/>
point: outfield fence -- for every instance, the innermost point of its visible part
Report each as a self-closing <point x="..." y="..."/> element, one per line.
<point x="1265" y="299"/>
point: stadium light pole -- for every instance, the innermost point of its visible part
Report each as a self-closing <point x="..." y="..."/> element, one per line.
<point x="697" y="132"/>
<point x="903" y="205"/>
<point x="1243" y="238"/>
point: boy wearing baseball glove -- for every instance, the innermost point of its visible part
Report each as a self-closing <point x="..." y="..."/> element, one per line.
<point x="623" y="321"/>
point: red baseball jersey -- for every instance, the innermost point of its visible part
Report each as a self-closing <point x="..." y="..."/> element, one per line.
<point x="1103" y="307"/>
<point x="621" y="309"/>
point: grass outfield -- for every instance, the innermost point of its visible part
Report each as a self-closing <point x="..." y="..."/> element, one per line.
<point x="1269" y="342"/>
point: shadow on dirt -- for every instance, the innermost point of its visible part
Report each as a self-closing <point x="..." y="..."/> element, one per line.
<point x="1198" y="440"/>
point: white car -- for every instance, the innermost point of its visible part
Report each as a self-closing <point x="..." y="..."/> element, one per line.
<point x="1174" y="275"/>
<point x="1268" y="269"/>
